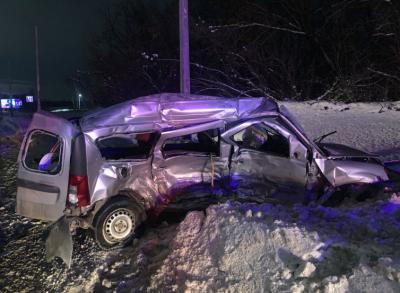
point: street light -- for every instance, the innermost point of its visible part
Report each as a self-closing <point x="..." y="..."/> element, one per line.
<point x="79" y="100"/>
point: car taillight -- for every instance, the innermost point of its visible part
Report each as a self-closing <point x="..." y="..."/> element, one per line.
<point x="78" y="191"/>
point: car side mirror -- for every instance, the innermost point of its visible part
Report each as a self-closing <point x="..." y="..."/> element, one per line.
<point x="45" y="161"/>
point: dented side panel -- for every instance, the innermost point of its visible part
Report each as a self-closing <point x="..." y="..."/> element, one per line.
<point x="159" y="178"/>
<point x="188" y="173"/>
<point x="108" y="178"/>
<point x="186" y="178"/>
<point x="115" y="177"/>
<point x="155" y="178"/>
<point x="258" y="173"/>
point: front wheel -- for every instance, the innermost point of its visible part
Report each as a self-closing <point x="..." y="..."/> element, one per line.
<point x="116" y="223"/>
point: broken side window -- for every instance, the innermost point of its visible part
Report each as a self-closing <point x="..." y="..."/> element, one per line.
<point x="126" y="146"/>
<point x="262" y="138"/>
<point x="203" y="143"/>
<point x="43" y="152"/>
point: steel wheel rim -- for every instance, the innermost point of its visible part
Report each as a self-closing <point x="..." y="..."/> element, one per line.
<point x="118" y="225"/>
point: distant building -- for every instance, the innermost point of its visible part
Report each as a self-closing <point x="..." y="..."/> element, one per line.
<point x="17" y="94"/>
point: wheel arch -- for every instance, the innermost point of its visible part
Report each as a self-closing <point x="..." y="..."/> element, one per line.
<point x="130" y="195"/>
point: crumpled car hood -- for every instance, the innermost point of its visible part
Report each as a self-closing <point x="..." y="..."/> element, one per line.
<point x="340" y="150"/>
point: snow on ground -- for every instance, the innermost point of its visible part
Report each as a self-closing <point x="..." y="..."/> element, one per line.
<point x="233" y="247"/>
<point x="267" y="248"/>
<point x="372" y="127"/>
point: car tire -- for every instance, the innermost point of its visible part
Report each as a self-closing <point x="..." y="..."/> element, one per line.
<point x="115" y="223"/>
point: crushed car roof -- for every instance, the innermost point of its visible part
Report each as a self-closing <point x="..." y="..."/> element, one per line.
<point x="172" y="109"/>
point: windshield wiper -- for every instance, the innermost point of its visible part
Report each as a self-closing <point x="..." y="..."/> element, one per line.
<point x="321" y="138"/>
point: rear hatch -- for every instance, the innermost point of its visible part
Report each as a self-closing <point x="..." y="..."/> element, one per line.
<point x="44" y="167"/>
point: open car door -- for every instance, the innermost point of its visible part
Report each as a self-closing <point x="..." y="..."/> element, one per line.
<point x="267" y="160"/>
<point x="188" y="162"/>
<point x="43" y="167"/>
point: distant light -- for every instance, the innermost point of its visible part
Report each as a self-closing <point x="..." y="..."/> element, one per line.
<point x="7" y="103"/>
<point x="17" y="103"/>
<point x="80" y="95"/>
<point x="61" y="110"/>
<point x="29" y="99"/>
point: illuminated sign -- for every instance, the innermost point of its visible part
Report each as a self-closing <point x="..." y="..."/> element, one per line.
<point x="29" y="99"/>
<point x="5" y="103"/>
<point x="17" y="103"/>
<point x="8" y="103"/>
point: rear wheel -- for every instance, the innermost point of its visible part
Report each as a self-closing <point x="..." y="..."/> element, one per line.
<point x="116" y="223"/>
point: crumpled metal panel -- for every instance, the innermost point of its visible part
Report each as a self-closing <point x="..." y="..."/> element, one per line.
<point x="194" y="111"/>
<point x="103" y="176"/>
<point x="342" y="172"/>
<point x="185" y="176"/>
<point x="106" y="178"/>
<point x="158" y="179"/>
<point x="122" y="129"/>
<point x="162" y="179"/>
<point x="268" y="175"/>
<point x="174" y="109"/>
<point x="136" y="177"/>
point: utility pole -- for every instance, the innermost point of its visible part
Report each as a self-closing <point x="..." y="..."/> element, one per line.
<point x="37" y="69"/>
<point x="184" y="46"/>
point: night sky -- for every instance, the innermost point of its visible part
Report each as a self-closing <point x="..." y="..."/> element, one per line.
<point x="65" y="29"/>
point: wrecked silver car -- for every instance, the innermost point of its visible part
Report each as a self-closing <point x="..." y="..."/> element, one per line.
<point x="110" y="170"/>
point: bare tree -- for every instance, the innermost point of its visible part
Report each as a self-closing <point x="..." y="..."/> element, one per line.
<point x="345" y="50"/>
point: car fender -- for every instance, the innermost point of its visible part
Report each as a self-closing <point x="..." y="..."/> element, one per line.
<point x="341" y="172"/>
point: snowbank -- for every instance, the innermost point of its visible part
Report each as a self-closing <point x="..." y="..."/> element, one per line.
<point x="265" y="248"/>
